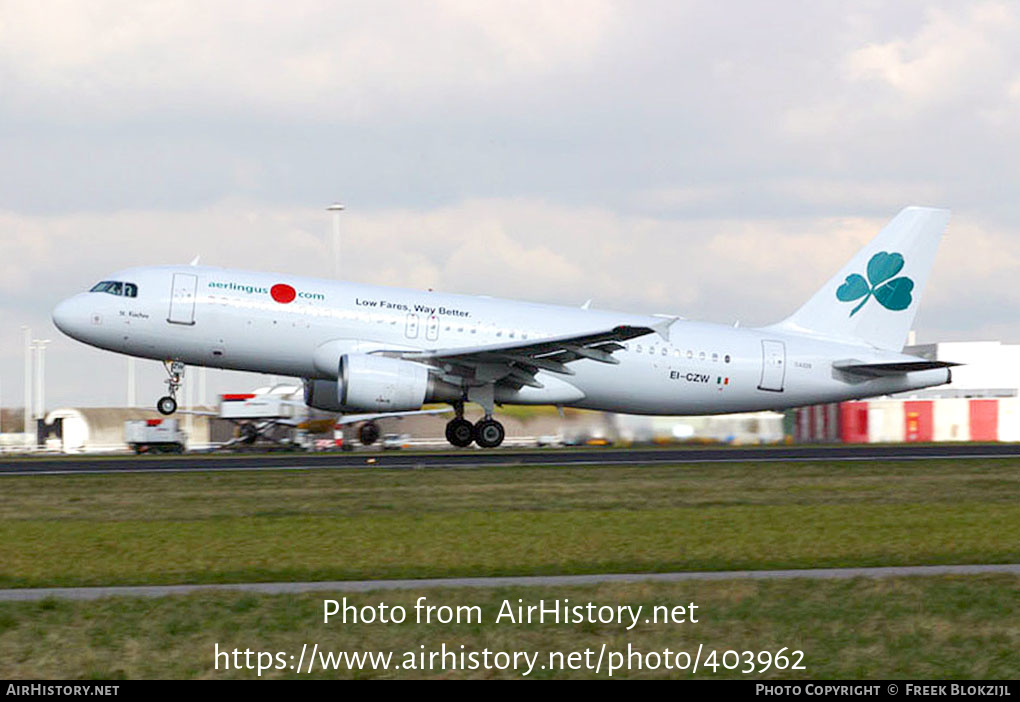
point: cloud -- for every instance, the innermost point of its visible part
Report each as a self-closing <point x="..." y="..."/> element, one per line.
<point x="308" y="59"/>
<point x="717" y="161"/>
<point x="960" y="61"/>
<point x="957" y="53"/>
<point x="756" y="271"/>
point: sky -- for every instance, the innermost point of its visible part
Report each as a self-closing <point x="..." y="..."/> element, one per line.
<point x="718" y="161"/>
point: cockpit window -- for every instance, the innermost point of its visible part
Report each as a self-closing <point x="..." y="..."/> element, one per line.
<point x="116" y="287"/>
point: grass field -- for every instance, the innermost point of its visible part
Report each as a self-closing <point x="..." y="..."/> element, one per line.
<point x="337" y="524"/>
<point x="926" y="628"/>
<point x="313" y="525"/>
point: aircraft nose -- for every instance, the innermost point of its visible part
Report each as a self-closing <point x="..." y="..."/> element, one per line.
<point x="70" y="316"/>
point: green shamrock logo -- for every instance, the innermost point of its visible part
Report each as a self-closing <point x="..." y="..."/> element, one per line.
<point x="892" y="293"/>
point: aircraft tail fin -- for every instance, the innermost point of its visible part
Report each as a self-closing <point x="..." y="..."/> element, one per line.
<point x="874" y="297"/>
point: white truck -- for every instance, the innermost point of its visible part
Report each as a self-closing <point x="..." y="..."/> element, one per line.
<point x="155" y="436"/>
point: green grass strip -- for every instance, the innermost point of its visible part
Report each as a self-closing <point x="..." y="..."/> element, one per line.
<point x="943" y="628"/>
<point x="317" y="547"/>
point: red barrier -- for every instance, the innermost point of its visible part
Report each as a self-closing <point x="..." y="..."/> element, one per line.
<point x="853" y="422"/>
<point x="984" y="420"/>
<point x="920" y="425"/>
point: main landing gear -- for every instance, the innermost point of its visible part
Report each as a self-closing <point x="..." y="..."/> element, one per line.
<point x="460" y="432"/>
<point x="487" y="432"/>
<point x="168" y="404"/>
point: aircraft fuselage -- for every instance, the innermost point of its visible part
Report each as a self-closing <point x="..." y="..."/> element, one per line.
<point x="298" y="326"/>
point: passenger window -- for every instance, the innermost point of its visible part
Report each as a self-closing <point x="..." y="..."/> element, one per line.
<point x="639" y="348"/>
<point x="701" y="356"/>
<point x="727" y="358"/>
<point x="690" y="354"/>
<point x="715" y="357"/>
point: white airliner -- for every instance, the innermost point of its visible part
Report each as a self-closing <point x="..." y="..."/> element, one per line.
<point x="362" y="348"/>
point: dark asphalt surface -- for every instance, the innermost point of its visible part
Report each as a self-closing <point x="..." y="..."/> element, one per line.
<point x="93" y="593"/>
<point x="465" y="458"/>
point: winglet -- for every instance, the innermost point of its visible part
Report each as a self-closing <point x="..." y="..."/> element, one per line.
<point x="194" y="261"/>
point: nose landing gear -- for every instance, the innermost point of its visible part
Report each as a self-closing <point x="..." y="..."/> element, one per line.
<point x="167" y="404"/>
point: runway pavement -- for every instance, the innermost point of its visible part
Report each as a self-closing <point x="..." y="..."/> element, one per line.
<point x="92" y="593"/>
<point x="467" y="458"/>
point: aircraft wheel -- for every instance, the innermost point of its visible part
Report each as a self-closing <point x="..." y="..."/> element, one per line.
<point x="368" y="434"/>
<point x="166" y="405"/>
<point x="248" y="433"/>
<point x="460" y="432"/>
<point x="489" y="433"/>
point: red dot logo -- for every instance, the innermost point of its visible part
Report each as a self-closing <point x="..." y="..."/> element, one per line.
<point x="283" y="293"/>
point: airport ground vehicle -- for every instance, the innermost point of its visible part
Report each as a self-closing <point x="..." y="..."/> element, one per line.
<point x="155" y="436"/>
<point x="395" y="441"/>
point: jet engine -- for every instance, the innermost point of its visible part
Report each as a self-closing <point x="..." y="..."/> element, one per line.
<point x="369" y="383"/>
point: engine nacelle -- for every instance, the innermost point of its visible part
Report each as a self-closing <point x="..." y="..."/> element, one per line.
<point x="381" y="384"/>
<point x="369" y="383"/>
<point x="322" y="395"/>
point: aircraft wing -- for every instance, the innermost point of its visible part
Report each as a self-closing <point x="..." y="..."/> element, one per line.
<point x="517" y="362"/>
<point x="355" y="418"/>
<point x="877" y="370"/>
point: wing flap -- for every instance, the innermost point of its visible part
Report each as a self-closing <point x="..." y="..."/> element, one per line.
<point x="517" y="362"/>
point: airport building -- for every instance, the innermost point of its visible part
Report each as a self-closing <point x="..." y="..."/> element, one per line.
<point x="981" y="404"/>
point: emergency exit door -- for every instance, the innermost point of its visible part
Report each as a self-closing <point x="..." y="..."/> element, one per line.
<point x="182" y="299"/>
<point x="773" y="366"/>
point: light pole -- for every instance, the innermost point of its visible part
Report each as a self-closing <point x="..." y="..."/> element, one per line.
<point x="40" y="375"/>
<point x="28" y="385"/>
<point x="131" y="381"/>
<point x="336" y="208"/>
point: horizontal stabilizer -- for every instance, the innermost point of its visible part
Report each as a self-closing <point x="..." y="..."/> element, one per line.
<point x="877" y="370"/>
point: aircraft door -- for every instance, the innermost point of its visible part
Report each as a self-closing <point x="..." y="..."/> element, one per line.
<point x="182" y="298"/>
<point x="432" y="328"/>
<point x="411" y="329"/>
<point x="773" y="366"/>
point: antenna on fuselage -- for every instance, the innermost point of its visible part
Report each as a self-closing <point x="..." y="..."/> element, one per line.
<point x="336" y="208"/>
